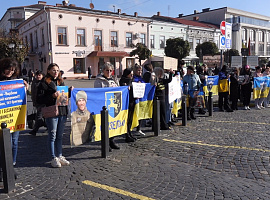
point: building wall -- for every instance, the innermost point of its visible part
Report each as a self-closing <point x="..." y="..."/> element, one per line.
<point x="167" y="30"/>
<point x="64" y="55"/>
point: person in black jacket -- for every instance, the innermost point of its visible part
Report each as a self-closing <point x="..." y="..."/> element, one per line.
<point x="234" y="88"/>
<point x="160" y="93"/>
<point x="47" y="95"/>
<point x="246" y="87"/>
<point x="126" y="80"/>
<point x="39" y="121"/>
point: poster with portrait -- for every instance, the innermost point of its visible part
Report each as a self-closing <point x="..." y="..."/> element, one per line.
<point x="62" y="99"/>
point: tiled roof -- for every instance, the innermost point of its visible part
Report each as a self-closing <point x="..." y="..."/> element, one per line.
<point x="186" y="22"/>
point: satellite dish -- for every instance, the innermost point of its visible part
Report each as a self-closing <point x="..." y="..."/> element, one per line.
<point x="91" y="5"/>
<point x="67" y="1"/>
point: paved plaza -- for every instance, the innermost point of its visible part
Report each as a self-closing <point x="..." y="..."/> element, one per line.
<point x="225" y="156"/>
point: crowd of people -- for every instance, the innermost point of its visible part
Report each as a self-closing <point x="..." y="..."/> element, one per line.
<point x="44" y="94"/>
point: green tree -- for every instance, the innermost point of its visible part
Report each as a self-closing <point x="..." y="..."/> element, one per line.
<point x="142" y="51"/>
<point x="14" y="47"/>
<point x="206" y="48"/>
<point x="229" y="53"/>
<point x="177" y="48"/>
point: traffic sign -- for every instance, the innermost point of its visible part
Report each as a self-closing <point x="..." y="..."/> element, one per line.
<point x="223" y="27"/>
<point x="222" y="42"/>
<point x="228" y="35"/>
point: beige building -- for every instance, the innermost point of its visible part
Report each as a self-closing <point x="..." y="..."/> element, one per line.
<point x="78" y="38"/>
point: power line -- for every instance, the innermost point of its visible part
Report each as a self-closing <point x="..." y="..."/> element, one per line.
<point x="136" y="5"/>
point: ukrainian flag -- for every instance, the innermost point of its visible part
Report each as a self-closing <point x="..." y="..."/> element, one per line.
<point x="210" y="84"/>
<point x="144" y="106"/>
<point x="13" y="106"/>
<point x="116" y="100"/>
<point x="177" y="105"/>
<point x="261" y="87"/>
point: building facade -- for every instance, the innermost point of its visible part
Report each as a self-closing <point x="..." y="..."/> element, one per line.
<point x="78" y="38"/>
<point x="249" y="30"/>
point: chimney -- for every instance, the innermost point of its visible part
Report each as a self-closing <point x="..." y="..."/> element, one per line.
<point x="59" y="4"/>
<point x="158" y="13"/>
<point x="206" y="10"/>
<point x="42" y="2"/>
<point x="180" y="15"/>
<point x="196" y="11"/>
<point x="119" y="11"/>
<point x="195" y="18"/>
<point x="72" y="5"/>
<point x="135" y="14"/>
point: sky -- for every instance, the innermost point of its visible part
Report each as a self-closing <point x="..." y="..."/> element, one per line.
<point x="147" y="8"/>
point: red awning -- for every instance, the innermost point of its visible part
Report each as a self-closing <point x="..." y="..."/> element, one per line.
<point x="108" y="54"/>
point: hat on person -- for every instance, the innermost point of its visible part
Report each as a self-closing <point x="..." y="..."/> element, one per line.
<point x="247" y="66"/>
<point x="190" y="68"/>
<point x="81" y="95"/>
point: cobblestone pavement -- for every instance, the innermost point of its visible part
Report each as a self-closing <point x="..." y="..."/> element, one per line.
<point x="225" y="156"/>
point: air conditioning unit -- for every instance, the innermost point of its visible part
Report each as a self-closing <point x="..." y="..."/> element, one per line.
<point x="136" y="36"/>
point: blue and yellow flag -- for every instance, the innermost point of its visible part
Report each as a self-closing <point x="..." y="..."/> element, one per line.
<point x="210" y="85"/>
<point x="116" y="100"/>
<point x="177" y="105"/>
<point x="13" y="104"/>
<point x="261" y="87"/>
<point x="144" y="106"/>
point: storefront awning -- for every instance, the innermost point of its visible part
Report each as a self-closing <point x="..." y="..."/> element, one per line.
<point x="108" y="54"/>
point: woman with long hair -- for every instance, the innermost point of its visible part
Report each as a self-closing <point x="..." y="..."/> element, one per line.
<point x="9" y="70"/>
<point x="47" y="95"/>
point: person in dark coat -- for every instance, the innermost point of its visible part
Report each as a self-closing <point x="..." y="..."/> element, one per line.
<point x="246" y="86"/>
<point x="39" y="121"/>
<point x="234" y="88"/>
<point x="160" y="93"/>
<point x="126" y="80"/>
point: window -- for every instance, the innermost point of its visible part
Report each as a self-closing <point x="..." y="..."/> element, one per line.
<point x="130" y="62"/>
<point x="98" y="40"/>
<point x="36" y="39"/>
<point x="79" y="66"/>
<point x="244" y="38"/>
<point x="198" y="41"/>
<point x="190" y="41"/>
<point x="128" y="39"/>
<point x="142" y="38"/>
<point x="62" y="35"/>
<point x="252" y="35"/>
<point x="162" y="42"/>
<point x="261" y="36"/>
<point x="81" y="37"/>
<point x="114" y="40"/>
<point x="152" y="41"/>
<point x="42" y="37"/>
<point x="112" y="61"/>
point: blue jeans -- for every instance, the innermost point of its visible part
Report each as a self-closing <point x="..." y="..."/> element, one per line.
<point x="55" y="127"/>
<point x="14" y="137"/>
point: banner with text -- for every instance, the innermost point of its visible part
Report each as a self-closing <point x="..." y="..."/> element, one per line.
<point x="13" y="104"/>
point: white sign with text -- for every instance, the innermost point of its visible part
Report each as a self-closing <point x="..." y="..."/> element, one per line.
<point x="138" y="89"/>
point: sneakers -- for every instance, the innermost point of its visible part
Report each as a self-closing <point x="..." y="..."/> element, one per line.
<point x="55" y="163"/>
<point x="140" y="132"/>
<point x="258" y="108"/>
<point x="247" y="108"/>
<point x="59" y="162"/>
<point x="63" y="161"/>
